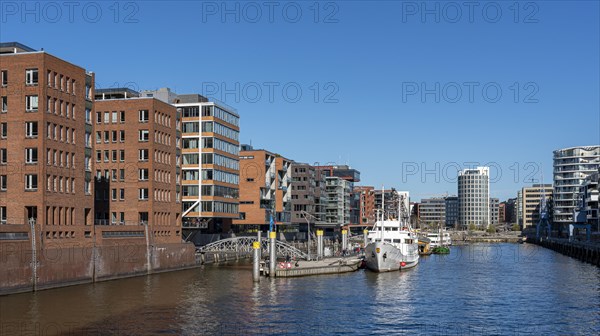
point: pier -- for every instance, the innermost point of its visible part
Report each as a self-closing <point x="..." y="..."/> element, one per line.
<point x="585" y="251"/>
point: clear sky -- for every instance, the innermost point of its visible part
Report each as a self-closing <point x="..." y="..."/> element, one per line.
<point x="406" y="92"/>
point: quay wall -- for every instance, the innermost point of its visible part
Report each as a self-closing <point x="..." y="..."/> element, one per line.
<point x="584" y="251"/>
<point x="24" y="269"/>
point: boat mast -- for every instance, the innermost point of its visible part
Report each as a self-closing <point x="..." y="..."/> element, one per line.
<point x="382" y="211"/>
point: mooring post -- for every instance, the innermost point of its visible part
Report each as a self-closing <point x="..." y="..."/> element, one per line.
<point x="256" y="262"/>
<point x="259" y="234"/>
<point x="344" y="240"/>
<point x="320" y="244"/>
<point x="272" y="253"/>
<point x="365" y="237"/>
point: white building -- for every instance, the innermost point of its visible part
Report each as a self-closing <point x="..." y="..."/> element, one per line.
<point x="571" y="167"/>
<point x="474" y="197"/>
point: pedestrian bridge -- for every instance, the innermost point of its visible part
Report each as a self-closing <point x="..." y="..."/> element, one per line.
<point x="244" y="245"/>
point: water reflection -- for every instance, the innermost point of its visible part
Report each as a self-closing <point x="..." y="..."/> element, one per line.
<point x="477" y="289"/>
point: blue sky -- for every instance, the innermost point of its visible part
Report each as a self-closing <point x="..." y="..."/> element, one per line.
<point x="362" y="68"/>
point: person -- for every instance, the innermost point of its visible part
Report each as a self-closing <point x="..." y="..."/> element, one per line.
<point x="287" y="258"/>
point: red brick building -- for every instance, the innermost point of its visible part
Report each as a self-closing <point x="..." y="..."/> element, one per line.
<point x="136" y="173"/>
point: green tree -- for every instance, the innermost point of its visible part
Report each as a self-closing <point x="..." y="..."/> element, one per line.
<point x="472" y="227"/>
<point x="516" y="227"/>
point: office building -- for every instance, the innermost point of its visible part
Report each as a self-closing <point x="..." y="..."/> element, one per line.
<point x="589" y="197"/>
<point x="136" y="163"/>
<point x="46" y="108"/>
<point x="474" y="197"/>
<point x="571" y="167"/>
<point x="210" y="164"/>
<point x="451" y="211"/>
<point x="494" y="210"/>
<point x="432" y="212"/>
<point x="531" y="198"/>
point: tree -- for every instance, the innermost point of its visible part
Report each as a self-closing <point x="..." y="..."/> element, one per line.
<point x="516" y="227"/>
<point x="472" y="227"/>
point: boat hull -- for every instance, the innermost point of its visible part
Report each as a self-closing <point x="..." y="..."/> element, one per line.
<point x="385" y="257"/>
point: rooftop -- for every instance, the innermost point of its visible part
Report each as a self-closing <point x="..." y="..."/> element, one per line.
<point x="14" y="48"/>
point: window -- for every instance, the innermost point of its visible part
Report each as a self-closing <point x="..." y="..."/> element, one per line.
<point x="106" y="156"/>
<point x="114" y="136"/>
<point x="98" y="117"/>
<point x="31" y="103"/>
<point x="144" y="135"/>
<point x="121" y="174"/>
<point x="3" y="182"/>
<point x="31" y="155"/>
<point x="31" y="76"/>
<point x="3" y="158"/>
<point x="122" y="116"/>
<point x="98" y="137"/>
<point x="106" y="117"/>
<point x="88" y="116"/>
<point x="31" y="182"/>
<point x="88" y="139"/>
<point x="114" y="117"/>
<point x="31" y="129"/>
<point x="122" y="136"/>
<point x="121" y="194"/>
<point x="2" y="215"/>
<point x="114" y="155"/>
<point x="122" y="155"/>
<point x="143" y="174"/>
<point x="4" y="77"/>
<point x="3" y="130"/>
<point x="143" y="193"/>
<point x="144" y="116"/>
<point x="143" y="155"/>
<point x="113" y="193"/>
<point x="98" y="155"/>
<point x="4" y="104"/>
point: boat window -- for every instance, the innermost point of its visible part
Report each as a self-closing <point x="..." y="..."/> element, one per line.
<point x="397" y="240"/>
<point x="387" y="240"/>
<point x="388" y="229"/>
<point x="395" y="229"/>
<point x="408" y="241"/>
<point x="378" y="240"/>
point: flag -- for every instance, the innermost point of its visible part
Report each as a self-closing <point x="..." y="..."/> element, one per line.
<point x="271" y="223"/>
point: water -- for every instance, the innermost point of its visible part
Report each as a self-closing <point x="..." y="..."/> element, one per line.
<point x="481" y="289"/>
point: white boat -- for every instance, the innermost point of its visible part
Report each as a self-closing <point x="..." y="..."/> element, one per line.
<point x="434" y="237"/>
<point x="391" y="244"/>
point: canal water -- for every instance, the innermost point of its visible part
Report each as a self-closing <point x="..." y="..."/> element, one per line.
<point x="479" y="289"/>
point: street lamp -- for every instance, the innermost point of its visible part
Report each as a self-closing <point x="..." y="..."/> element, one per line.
<point x="306" y="215"/>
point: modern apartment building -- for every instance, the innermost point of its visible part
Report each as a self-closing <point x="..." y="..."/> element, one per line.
<point x="432" y="211"/>
<point x="265" y="180"/>
<point x="474" y="197"/>
<point x="571" y="167"/>
<point x="46" y="108"/>
<point x="365" y="204"/>
<point x="590" y="197"/>
<point x="531" y="198"/>
<point x="339" y="183"/>
<point x="511" y="210"/>
<point x="210" y="167"/>
<point x="136" y="163"/>
<point x="391" y="199"/>
<point x="451" y="211"/>
<point x="306" y="194"/>
<point x="494" y="211"/>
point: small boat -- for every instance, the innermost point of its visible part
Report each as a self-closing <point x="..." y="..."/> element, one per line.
<point x="436" y="241"/>
<point x="424" y="246"/>
<point x="391" y="244"/>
